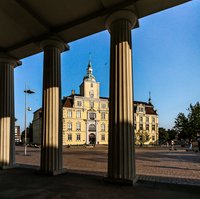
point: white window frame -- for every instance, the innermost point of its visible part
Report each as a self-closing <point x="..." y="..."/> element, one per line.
<point x="103" y="127"/>
<point x="78" y="114"/>
<point x="78" y="126"/>
<point x="78" y="137"/>
<point x="79" y="103"/>
<point x="69" y="126"/>
<point x="69" y="137"/>
<point x="69" y="113"/>
<point x="103" y="115"/>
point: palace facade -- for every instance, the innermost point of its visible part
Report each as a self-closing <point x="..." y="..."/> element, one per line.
<point x="86" y="116"/>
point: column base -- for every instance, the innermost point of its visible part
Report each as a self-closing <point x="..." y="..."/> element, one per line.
<point x="122" y="181"/>
<point x="7" y="167"/>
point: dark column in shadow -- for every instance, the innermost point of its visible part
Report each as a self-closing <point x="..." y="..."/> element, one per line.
<point x="7" y="118"/>
<point x="51" y="142"/>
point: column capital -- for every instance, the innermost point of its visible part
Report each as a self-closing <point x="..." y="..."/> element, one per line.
<point x="128" y="15"/>
<point x="5" y="58"/>
<point x="54" y="42"/>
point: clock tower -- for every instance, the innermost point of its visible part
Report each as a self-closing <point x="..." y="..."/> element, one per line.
<point x="89" y="87"/>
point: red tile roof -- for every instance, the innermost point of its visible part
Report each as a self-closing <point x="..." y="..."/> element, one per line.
<point x="68" y="102"/>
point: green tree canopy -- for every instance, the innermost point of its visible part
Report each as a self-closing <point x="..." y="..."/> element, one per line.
<point x="163" y="135"/>
<point x="188" y="126"/>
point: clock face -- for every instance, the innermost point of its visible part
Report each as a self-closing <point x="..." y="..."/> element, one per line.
<point x="91" y="93"/>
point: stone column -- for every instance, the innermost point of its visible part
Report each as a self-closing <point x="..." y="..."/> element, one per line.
<point x="121" y="151"/>
<point x="7" y="118"/>
<point x="51" y="138"/>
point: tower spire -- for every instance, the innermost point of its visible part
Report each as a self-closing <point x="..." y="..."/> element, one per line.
<point x="89" y="76"/>
<point x="149" y="98"/>
<point x="90" y="58"/>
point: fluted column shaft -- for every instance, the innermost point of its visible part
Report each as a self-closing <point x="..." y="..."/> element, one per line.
<point x="51" y="149"/>
<point x="7" y="119"/>
<point x="121" y="153"/>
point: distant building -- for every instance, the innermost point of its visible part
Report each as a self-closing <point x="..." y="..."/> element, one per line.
<point x="86" y="116"/>
<point x="37" y="126"/>
<point x="145" y="123"/>
<point x="17" y="134"/>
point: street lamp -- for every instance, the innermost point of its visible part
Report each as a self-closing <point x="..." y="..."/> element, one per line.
<point x="26" y="109"/>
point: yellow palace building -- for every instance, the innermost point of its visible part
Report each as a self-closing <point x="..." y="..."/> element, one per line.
<point x="86" y="115"/>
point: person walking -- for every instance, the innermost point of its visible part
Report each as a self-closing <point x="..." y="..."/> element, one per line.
<point x="190" y="145"/>
<point x="172" y="144"/>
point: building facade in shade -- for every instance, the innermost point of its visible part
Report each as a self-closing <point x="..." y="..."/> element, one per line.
<point x="37" y="126"/>
<point x="17" y="134"/>
<point x="86" y="116"/>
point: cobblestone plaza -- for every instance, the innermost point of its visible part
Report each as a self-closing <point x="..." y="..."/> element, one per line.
<point x="152" y="164"/>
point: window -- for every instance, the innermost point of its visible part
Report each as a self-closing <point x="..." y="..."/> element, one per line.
<point x="141" y="119"/>
<point x="103" y="105"/>
<point x="147" y="127"/>
<point x="69" y="137"/>
<point x="153" y="138"/>
<point x="78" y="137"/>
<point x="147" y="137"/>
<point x="141" y="109"/>
<point x="134" y="118"/>
<point x="153" y="127"/>
<point x="78" y="114"/>
<point x="140" y="137"/>
<point x="69" y="114"/>
<point x="91" y="84"/>
<point x="135" y="126"/>
<point x="141" y="126"/>
<point x="79" y="103"/>
<point x="78" y="126"/>
<point x="103" y="127"/>
<point x="103" y="137"/>
<point x="153" y="120"/>
<point x="92" y="127"/>
<point x="69" y="126"/>
<point x="91" y="93"/>
<point x="92" y="116"/>
<point x="103" y="116"/>
<point x="147" y="119"/>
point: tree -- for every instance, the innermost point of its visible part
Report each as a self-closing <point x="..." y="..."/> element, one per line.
<point x="188" y="126"/>
<point x="29" y="131"/>
<point x="163" y="135"/>
<point x="171" y="134"/>
<point x="194" y="118"/>
<point x="182" y="126"/>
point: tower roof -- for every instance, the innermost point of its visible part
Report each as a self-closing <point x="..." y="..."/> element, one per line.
<point x="89" y="76"/>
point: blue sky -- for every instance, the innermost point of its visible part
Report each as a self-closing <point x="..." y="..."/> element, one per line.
<point x="166" y="61"/>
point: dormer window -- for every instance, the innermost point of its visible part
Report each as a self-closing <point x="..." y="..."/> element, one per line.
<point x="141" y="109"/>
<point x="79" y="103"/>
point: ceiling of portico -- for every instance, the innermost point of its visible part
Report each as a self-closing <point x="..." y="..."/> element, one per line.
<point x="24" y="23"/>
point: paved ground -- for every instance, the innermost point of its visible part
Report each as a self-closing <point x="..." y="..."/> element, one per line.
<point x="154" y="166"/>
<point x="161" y="164"/>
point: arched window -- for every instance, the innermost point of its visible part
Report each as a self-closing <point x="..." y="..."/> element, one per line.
<point x="92" y="127"/>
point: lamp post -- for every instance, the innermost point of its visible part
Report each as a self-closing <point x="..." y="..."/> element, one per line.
<point x="29" y="109"/>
